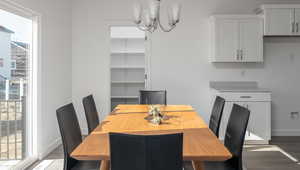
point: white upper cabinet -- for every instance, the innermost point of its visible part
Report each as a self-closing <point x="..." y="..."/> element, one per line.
<point x="237" y="38"/>
<point x="281" y="20"/>
<point x="227" y="40"/>
<point x="251" y="40"/>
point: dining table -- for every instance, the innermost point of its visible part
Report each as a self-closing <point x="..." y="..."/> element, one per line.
<point x="200" y="144"/>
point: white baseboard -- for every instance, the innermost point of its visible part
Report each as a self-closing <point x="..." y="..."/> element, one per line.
<point x="25" y="163"/>
<point x="286" y="132"/>
<point x="49" y="148"/>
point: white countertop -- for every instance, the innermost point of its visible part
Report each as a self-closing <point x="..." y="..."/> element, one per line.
<point x="237" y="86"/>
<point x="249" y="90"/>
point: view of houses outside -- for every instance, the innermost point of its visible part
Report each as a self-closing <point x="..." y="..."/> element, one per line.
<point x="13" y="84"/>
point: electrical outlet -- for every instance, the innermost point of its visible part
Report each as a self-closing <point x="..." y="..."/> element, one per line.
<point x="292" y="57"/>
<point x="243" y="72"/>
<point x="295" y="115"/>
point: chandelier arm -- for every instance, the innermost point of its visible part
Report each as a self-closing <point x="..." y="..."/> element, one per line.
<point x="143" y="28"/>
<point x="163" y="28"/>
<point x="155" y="23"/>
<point x="160" y="24"/>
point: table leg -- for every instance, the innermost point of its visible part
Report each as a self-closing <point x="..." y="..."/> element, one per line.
<point x="105" y="165"/>
<point x="198" y="165"/>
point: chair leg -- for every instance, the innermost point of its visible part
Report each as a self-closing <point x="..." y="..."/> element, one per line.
<point x="105" y="165"/>
<point x="198" y="165"/>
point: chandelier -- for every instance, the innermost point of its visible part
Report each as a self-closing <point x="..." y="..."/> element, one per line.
<point x="148" y="19"/>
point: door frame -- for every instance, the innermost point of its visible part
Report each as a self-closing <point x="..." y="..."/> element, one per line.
<point x="33" y="120"/>
<point x="148" y="52"/>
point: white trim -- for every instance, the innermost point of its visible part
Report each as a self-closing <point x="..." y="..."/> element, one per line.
<point x="50" y="148"/>
<point x="37" y="83"/>
<point x="18" y="9"/>
<point x="25" y="163"/>
<point x="148" y="55"/>
<point x="286" y="132"/>
<point x="34" y="90"/>
<point x="279" y="6"/>
<point x="242" y="16"/>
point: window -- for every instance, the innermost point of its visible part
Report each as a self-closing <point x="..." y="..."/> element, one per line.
<point x="1" y="62"/>
<point x="18" y="94"/>
<point x="13" y="65"/>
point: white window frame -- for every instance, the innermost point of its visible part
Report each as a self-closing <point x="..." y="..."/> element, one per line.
<point x="34" y="90"/>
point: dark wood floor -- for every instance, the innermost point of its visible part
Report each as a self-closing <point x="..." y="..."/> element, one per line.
<point x="282" y="154"/>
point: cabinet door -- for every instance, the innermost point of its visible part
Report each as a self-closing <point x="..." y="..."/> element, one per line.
<point x="227" y="40"/>
<point x="279" y="21"/>
<point x="259" y="122"/>
<point x="297" y="21"/>
<point x="251" y="40"/>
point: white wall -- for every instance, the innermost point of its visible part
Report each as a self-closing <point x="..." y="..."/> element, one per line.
<point x="180" y="59"/>
<point x="56" y="65"/>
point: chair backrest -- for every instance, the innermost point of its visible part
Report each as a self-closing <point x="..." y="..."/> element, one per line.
<point x="216" y="115"/>
<point x="70" y="132"/>
<point x="91" y="112"/>
<point x="153" y="97"/>
<point x="235" y="134"/>
<point x="152" y="152"/>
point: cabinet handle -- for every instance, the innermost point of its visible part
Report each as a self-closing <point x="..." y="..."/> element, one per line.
<point x="293" y="27"/>
<point x="245" y="97"/>
<point x="297" y="27"/>
<point x="242" y="55"/>
<point x="237" y="54"/>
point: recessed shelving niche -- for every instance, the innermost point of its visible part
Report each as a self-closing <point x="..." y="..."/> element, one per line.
<point x="128" y="64"/>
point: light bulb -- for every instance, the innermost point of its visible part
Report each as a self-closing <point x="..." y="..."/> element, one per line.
<point x="176" y="12"/>
<point x="170" y="17"/>
<point x="137" y="11"/>
<point x="154" y="7"/>
<point x="147" y="19"/>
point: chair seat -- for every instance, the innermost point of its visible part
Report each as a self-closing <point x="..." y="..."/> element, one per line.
<point x="218" y="166"/>
<point x="87" y="165"/>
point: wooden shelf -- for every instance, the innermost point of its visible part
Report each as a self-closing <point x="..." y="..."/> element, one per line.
<point x="127" y="67"/>
<point x="128" y="38"/>
<point x="128" y="64"/>
<point x="124" y="97"/>
<point x="127" y="52"/>
<point x="127" y="82"/>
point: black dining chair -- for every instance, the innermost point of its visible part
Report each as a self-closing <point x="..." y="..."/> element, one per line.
<point x="91" y="112"/>
<point x="71" y="138"/>
<point x="216" y="115"/>
<point x="234" y="140"/>
<point x="153" y="97"/>
<point x="146" y="152"/>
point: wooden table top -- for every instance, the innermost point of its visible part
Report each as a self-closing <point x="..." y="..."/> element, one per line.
<point x="144" y="108"/>
<point x="199" y="143"/>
